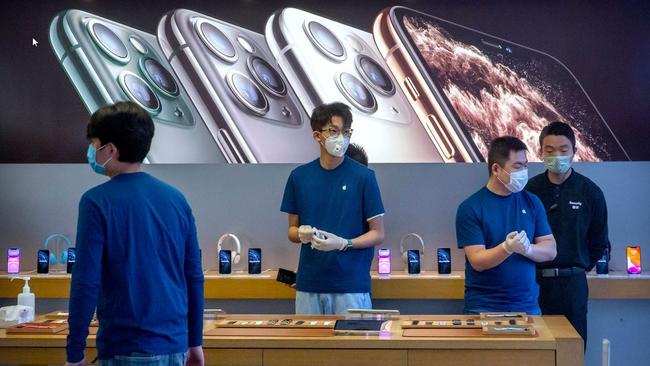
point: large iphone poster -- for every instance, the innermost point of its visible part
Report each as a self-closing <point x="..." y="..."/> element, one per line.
<point x="236" y="83"/>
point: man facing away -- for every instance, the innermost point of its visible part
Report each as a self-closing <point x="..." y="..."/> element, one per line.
<point x="138" y="258"/>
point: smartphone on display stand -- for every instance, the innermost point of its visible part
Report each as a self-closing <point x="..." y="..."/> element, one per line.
<point x="43" y="261"/>
<point x="413" y="258"/>
<point x="633" y="260"/>
<point x="444" y="260"/>
<point x="255" y="260"/>
<point x="471" y="87"/>
<point x="72" y="258"/>
<point x="383" y="261"/>
<point x="13" y="260"/>
<point x="225" y="261"/>
<point x="602" y="266"/>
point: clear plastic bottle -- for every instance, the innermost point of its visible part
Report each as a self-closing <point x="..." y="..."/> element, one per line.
<point x="27" y="298"/>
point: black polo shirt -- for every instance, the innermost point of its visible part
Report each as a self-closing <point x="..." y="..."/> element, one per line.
<point x="577" y="214"/>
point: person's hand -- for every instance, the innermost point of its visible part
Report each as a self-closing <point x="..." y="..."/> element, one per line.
<point x="305" y="232"/>
<point x="526" y="243"/>
<point x="517" y="242"/>
<point x="512" y="243"/>
<point x="80" y="363"/>
<point x="195" y="356"/>
<point x="327" y="242"/>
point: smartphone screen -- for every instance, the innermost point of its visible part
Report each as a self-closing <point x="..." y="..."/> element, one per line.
<point x="13" y="260"/>
<point x="413" y="256"/>
<point x="286" y="276"/>
<point x="72" y="258"/>
<point x="383" y="259"/>
<point x="633" y="260"/>
<point x="444" y="260"/>
<point x="359" y="324"/>
<point x="490" y="87"/>
<point x="255" y="260"/>
<point x="43" y="261"/>
<point x="225" y="261"/>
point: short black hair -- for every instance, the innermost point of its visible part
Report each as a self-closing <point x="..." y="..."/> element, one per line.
<point x="127" y="125"/>
<point x="558" y="128"/>
<point x="322" y="115"/>
<point x="358" y="153"/>
<point x="500" y="149"/>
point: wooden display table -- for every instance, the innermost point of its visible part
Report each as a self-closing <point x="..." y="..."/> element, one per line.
<point x="399" y="285"/>
<point x="556" y="343"/>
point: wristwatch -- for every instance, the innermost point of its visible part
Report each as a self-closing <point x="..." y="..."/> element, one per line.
<point x="349" y="245"/>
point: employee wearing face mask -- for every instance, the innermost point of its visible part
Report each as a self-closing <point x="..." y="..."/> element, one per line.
<point x="577" y="213"/>
<point x="336" y="215"/>
<point x="504" y="232"/>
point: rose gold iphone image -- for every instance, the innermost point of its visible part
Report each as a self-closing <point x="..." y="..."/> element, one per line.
<point x="472" y="87"/>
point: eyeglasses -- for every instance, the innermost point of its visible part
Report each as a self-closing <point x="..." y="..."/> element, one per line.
<point x="335" y="132"/>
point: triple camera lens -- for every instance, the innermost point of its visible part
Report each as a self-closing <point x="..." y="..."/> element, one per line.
<point x="247" y="90"/>
<point x="354" y="89"/>
<point x="136" y="88"/>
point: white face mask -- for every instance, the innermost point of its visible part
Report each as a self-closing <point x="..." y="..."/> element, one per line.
<point x="517" y="181"/>
<point x="337" y="146"/>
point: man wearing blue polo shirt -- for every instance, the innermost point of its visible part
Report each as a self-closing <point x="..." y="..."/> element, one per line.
<point x="336" y="214"/>
<point x="494" y="227"/>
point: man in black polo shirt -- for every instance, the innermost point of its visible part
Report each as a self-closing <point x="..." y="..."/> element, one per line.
<point x="577" y="213"/>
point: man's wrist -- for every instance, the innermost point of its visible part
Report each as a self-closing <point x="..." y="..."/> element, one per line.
<point x="529" y="250"/>
<point x="348" y="244"/>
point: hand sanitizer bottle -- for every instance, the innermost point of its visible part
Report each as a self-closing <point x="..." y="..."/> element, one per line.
<point x="27" y="298"/>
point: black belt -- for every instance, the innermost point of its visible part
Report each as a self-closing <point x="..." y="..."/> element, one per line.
<point x="559" y="272"/>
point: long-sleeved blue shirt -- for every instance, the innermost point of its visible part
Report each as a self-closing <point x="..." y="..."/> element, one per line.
<point x="138" y="262"/>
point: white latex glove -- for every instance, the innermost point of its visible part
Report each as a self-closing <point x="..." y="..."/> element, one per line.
<point x="528" y="248"/>
<point x="327" y="242"/>
<point x="517" y="242"/>
<point x="195" y="357"/>
<point x="305" y="232"/>
<point x="80" y="363"/>
<point x="512" y="244"/>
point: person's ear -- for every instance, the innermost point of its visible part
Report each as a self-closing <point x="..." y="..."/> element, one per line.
<point x="317" y="136"/>
<point x="495" y="169"/>
<point x="113" y="151"/>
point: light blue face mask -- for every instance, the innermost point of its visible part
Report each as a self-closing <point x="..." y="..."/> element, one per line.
<point x="558" y="164"/>
<point x="91" y="154"/>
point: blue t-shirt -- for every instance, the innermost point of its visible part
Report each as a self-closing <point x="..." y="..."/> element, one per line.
<point x="487" y="218"/>
<point x="339" y="201"/>
<point x="138" y="262"/>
